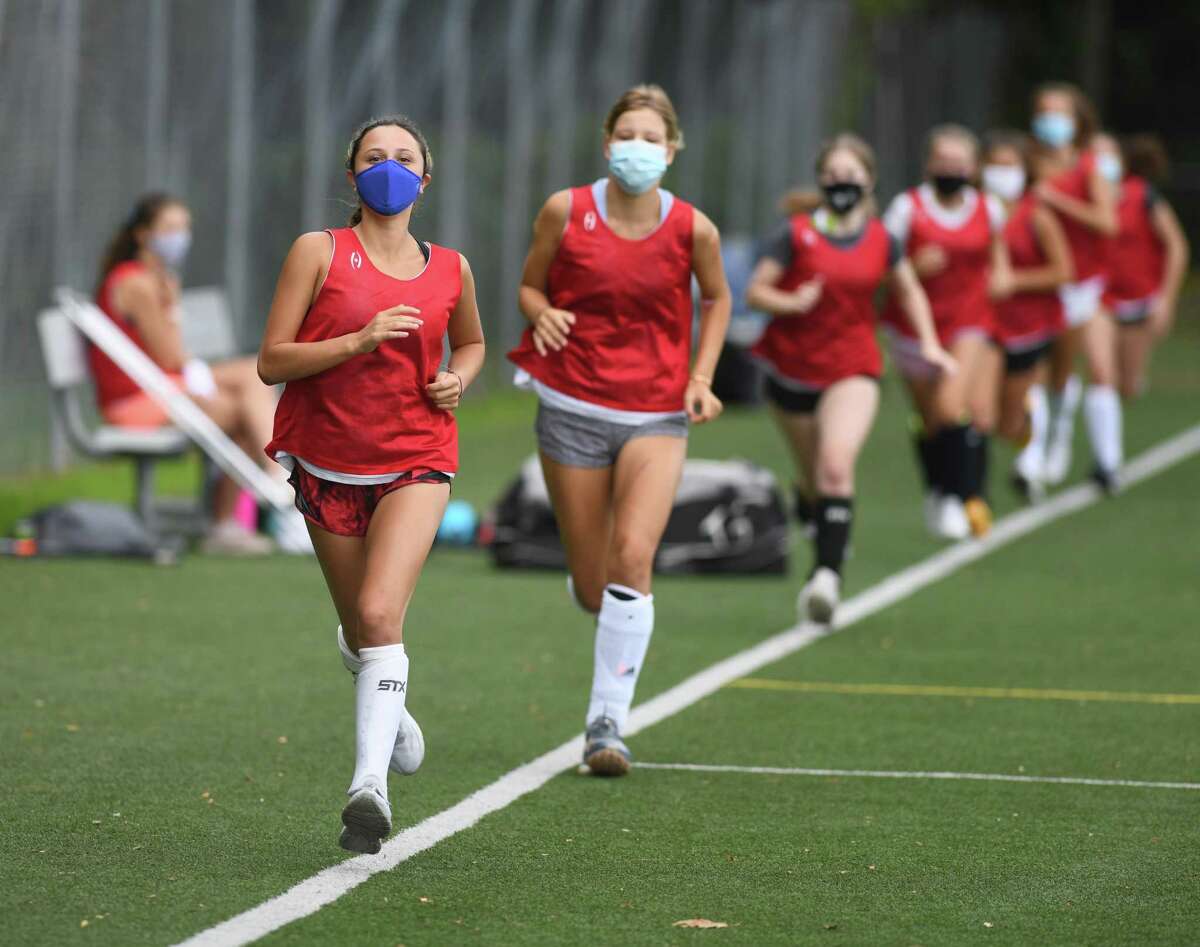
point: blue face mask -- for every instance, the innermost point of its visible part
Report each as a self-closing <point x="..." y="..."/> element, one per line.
<point x="171" y="247"/>
<point x="1109" y="166"/>
<point x="637" y="165"/>
<point x="1055" y="129"/>
<point x="387" y="187"/>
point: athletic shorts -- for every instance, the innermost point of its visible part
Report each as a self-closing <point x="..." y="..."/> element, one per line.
<point x="906" y="351"/>
<point x="1015" y="363"/>
<point x="1081" y="300"/>
<point x="795" y="400"/>
<point x="346" y="508"/>
<point x="1132" y="312"/>
<point x="577" y="440"/>
<point x="138" y="410"/>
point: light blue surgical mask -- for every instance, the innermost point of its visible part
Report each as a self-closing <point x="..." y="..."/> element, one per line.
<point x="1055" y="129"/>
<point x="1109" y="166"/>
<point x="171" y="247"/>
<point x="637" y="165"/>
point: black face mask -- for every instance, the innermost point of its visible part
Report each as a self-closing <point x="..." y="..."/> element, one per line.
<point x="947" y="185"/>
<point x="842" y="196"/>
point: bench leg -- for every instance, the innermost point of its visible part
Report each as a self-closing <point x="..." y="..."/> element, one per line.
<point x="144" y="500"/>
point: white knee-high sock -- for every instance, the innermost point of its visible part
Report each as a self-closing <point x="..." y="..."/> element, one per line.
<point x="1102" y="409"/>
<point x="380" y="690"/>
<point x="1033" y="455"/>
<point x="351" y="660"/>
<point x="1063" y="406"/>
<point x="622" y="636"/>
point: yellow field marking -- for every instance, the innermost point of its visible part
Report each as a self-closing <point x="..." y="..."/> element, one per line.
<point x="937" y="690"/>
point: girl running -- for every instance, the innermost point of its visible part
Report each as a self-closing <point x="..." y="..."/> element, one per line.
<point x="366" y="427"/>
<point x="817" y="279"/>
<point x="1034" y="264"/>
<point x="607" y="292"/>
<point x="1071" y="183"/>
<point x="950" y="232"/>
<point x="139" y="290"/>
<point x="1149" y="259"/>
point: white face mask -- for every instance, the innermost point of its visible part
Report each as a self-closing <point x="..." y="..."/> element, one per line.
<point x="1006" y="181"/>
<point x="1109" y="166"/>
<point x="171" y="247"/>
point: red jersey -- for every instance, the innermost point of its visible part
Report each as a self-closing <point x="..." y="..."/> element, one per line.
<point x="958" y="295"/>
<point x="370" y="414"/>
<point x="836" y="338"/>
<point x="1139" y="257"/>
<point x="1026" y="320"/>
<point x="1089" y="249"/>
<point x="112" y="384"/>
<point x="631" y="343"/>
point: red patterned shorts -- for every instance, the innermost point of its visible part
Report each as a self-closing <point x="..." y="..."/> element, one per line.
<point x="346" y="508"/>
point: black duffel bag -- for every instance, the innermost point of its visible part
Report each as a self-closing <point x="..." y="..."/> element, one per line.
<point x="728" y="518"/>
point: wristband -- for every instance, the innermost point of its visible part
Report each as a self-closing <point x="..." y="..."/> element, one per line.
<point x="461" y="387"/>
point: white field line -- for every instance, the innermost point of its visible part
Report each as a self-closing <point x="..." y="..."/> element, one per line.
<point x="902" y="774"/>
<point x="309" y="896"/>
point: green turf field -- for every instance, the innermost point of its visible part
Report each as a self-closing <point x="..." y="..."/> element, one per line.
<point x="177" y="741"/>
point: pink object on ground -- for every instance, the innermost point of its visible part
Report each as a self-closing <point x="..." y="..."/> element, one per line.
<point x="245" y="511"/>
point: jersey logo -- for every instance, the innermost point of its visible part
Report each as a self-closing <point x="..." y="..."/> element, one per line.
<point x="589" y="221"/>
<point x="808" y="237"/>
<point x="356" y="259"/>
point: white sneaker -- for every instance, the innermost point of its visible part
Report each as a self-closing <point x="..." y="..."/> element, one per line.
<point x="409" y="752"/>
<point x="819" y="598"/>
<point x="931" y="505"/>
<point x="952" y="522"/>
<point x="1058" y="462"/>
<point x="231" y="538"/>
<point x="290" y="532"/>
<point x="366" y="820"/>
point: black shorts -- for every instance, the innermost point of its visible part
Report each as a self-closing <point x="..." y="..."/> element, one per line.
<point x="1017" y="363"/>
<point x="797" y="400"/>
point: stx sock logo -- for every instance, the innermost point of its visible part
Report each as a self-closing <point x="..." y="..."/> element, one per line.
<point x="397" y="686"/>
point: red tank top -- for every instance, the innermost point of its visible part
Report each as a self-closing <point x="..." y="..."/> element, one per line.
<point x="631" y="343"/>
<point x="958" y="294"/>
<point x="1139" y="258"/>
<point x="370" y="414"/>
<point x="1089" y="249"/>
<point x="836" y="338"/>
<point x="1026" y="319"/>
<point x="112" y="384"/>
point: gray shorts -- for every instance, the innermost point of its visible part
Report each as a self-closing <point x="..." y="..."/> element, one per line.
<point x="580" y="441"/>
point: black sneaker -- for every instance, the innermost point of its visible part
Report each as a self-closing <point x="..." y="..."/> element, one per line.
<point x="604" y="752"/>
<point x="1107" y="481"/>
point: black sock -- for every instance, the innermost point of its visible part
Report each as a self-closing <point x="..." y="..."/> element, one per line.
<point x="955" y="460"/>
<point x="927" y="456"/>
<point x="834" y="518"/>
<point x="977" y="451"/>
<point x="803" y="506"/>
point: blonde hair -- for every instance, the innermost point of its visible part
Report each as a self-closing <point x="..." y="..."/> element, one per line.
<point x="647" y="96"/>
<point x="954" y="132"/>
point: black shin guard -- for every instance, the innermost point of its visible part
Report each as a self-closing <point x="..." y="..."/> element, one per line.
<point x="926" y="448"/>
<point x="835" y="515"/>
<point x="955" y="460"/>
<point x="977" y="463"/>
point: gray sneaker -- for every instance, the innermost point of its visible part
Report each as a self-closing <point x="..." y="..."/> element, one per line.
<point x="366" y="820"/>
<point x="604" y="752"/>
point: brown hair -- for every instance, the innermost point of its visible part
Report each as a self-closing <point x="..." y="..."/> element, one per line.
<point x="1146" y="156"/>
<point x="647" y="96"/>
<point x="951" y="130"/>
<point x="400" y="121"/>
<point x="123" y="245"/>
<point x="847" y="141"/>
<point x="1087" y="119"/>
<point x="801" y="200"/>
